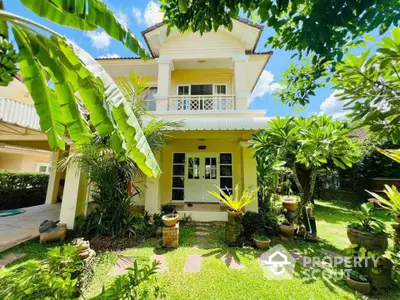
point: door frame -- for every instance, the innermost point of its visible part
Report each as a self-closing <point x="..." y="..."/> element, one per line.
<point x="202" y="156"/>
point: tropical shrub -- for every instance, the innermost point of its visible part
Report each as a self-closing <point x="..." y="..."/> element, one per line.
<point x="367" y="221"/>
<point x="235" y="202"/>
<point x="54" y="278"/>
<point x="252" y="223"/>
<point x="392" y="203"/>
<point x="271" y="222"/>
<point x="19" y="189"/>
<point x="133" y="285"/>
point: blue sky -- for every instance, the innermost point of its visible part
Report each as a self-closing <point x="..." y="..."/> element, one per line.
<point x="140" y="14"/>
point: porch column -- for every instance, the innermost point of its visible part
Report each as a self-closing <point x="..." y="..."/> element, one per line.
<point x="54" y="180"/>
<point x="152" y="202"/>
<point x="241" y="92"/>
<point x="74" y="196"/>
<point x="165" y="66"/>
<point x="249" y="172"/>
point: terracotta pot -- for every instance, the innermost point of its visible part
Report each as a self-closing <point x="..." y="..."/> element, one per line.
<point x="287" y="230"/>
<point x="262" y="244"/>
<point x="290" y="204"/>
<point x="170" y="220"/>
<point x="378" y="243"/>
<point x="363" y="287"/>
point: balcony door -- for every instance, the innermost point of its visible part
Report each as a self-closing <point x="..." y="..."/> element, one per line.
<point x="201" y="176"/>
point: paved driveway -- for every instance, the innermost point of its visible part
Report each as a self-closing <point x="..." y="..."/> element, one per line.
<point x="24" y="227"/>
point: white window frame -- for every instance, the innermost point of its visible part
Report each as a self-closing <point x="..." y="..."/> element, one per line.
<point x="47" y="165"/>
<point x="227" y="87"/>
<point x="220" y="84"/>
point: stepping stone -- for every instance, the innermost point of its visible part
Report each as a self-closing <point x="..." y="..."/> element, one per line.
<point x="202" y="238"/>
<point x="202" y="233"/>
<point x="122" y="265"/>
<point x="163" y="263"/>
<point x="200" y="246"/>
<point x="193" y="263"/>
<point x="301" y="259"/>
<point x="231" y="262"/>
<point x="9" y="258"/>
<point x="203" y="224"/>
<point x="201" y="228"/>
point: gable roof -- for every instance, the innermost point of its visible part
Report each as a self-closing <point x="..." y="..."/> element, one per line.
<point x="244" y="21"/>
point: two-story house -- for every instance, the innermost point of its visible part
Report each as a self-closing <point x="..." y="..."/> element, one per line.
<point x="205" y="82"/>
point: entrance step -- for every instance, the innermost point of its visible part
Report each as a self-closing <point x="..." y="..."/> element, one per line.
<point x="202" y="233"/>
<point x="193" y="263"/>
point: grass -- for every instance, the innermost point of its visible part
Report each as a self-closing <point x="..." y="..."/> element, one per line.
<point x="217" y="281"/>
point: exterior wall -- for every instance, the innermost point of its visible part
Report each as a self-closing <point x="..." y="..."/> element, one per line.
<point x="216" y="141"/>
<point x="201" y="76"/>
<point x="193" y="46"/>
<point x="16" y="90"/>
<point x="22" y="162"/>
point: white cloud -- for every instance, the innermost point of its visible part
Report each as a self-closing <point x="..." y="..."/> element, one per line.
<point x="151" y="15"/>
<point x="332" y="106"/>
<point x="123" y="18"/>
<point x="99" y="39"/>
<point x="265" y="85"/>
<point x="137" y="13"/>
<point x="109" y="55"/>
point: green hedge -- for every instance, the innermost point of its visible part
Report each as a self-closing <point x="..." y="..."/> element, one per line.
<point x="22" y="189"/>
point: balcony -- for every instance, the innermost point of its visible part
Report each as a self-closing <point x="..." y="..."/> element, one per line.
<point x="201" y="103"/>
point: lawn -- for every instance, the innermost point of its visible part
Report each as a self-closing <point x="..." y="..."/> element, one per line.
<point x="217" y="281"/>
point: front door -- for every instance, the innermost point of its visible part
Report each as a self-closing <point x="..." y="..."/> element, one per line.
<point x="201" y="176"/>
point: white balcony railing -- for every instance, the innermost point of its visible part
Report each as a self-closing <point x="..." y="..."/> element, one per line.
<point x="202" y="103"/>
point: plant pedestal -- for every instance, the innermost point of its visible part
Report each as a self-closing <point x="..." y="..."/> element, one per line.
<point x="234" y="229"/>
<point x="170" y="236"/>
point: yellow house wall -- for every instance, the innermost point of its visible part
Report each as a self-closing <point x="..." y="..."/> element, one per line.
<point x="201" y="76"/>
<point x="16" y="90"/>
<point x="215" y="141"/>
<point x="21" y="162"/>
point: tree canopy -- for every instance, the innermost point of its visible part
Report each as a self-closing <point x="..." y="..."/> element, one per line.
<point x="369" y="84"/>
<point x="322" y="29"/>
<point x="63" y="79"/>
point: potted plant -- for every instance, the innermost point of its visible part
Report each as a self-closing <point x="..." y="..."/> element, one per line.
<point x="368" y="231"/>
<point x="290" y="204"/>
<point x="286" y="229"/>
<point x="261" y="241"/>
<point x="235" y="204"/>
<point x="358" y="282"/>
<point x="170" y="220"/>
<point x="392" y="203"/>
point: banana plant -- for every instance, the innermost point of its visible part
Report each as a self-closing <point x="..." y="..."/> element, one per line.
<point x="65" y="81"/>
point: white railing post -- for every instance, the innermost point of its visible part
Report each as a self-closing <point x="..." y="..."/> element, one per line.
<point x="202" y="103"/>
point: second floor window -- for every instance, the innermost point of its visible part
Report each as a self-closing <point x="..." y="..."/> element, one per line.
<point x="150" y="101"/>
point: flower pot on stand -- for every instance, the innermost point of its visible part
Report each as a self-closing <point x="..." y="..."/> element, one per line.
<point x="287" y="230"/>
<point x="170" y="220"/>
<point x="234" y="228"/>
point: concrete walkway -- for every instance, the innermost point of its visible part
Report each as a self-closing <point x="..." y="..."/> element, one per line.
<point x="20" y="228"/>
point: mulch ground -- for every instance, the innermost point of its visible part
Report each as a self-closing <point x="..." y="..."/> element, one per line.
<point x="109" y="243"/>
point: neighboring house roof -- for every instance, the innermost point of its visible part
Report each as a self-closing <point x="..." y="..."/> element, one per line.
<point x="23" y="149"/>
<point x="17" y="113"/>
<point x="255" y="123"/>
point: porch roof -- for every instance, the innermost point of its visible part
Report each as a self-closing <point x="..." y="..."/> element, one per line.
<point x="254" y="123"/>
<point x="17" y="113"/>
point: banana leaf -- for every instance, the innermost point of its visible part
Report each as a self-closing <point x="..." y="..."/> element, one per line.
<point x="86" y="15"/>
<point x="128" y="126"/>
<point x="45" y="99"/>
